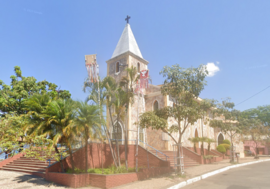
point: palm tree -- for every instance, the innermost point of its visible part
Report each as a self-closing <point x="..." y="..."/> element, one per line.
<point x="209" y="141"/>
<point x="88" y="123"/>
<point x="111" y="91"/>
<point x="51" y="119"/>
<point x="61" y="114"/>
<point x="194" y="140"/>
<point x="127" y="82"/>
<point x="119" y="104"/>
<point x="202" y="140"/>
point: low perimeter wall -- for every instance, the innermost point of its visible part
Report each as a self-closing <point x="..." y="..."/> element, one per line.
<point x="103" y="181"/>
<point x="97" y="155"/>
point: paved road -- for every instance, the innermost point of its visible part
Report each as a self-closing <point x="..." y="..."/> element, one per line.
<point x="255" y="176"/>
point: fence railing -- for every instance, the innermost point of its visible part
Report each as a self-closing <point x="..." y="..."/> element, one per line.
<point x="157" y="151"/>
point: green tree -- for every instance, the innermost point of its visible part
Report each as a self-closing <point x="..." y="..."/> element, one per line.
<point x="183" y="87"/>
<point x="261" y="113"/>
<point x="228" y="122"/>
<point x="209" y="141"/>
<point x="194" y="140"/>
<point x="88" y="123"/>
<point x="47" y="117"/>
<point x="61" y="114"/>
<point x="10" y="132"/>
<point x="206" y="105"/>
<point x="255" y="130"/>
<point x="128" y="82"/>
<point x="100" y="94"/>
<point x="21" y="88"/>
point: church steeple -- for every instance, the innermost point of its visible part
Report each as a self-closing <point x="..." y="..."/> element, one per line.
<point x="127" y="43"/>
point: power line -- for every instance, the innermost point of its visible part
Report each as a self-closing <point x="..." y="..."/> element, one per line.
<point x="253" y="95"/>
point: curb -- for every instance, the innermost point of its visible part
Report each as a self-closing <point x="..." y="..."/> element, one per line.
<point x="204" y="176"/>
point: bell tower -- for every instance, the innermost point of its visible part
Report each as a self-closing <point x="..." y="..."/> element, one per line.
<point x="126" y="55"/>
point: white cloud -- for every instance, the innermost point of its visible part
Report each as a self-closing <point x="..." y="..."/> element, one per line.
<point x="212" y="69"/>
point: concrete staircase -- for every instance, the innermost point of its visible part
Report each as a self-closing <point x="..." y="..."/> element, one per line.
<point x="28" y="165"/>
<point x="188" y="162"/>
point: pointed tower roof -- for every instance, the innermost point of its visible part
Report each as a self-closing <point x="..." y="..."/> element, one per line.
<point x="127" y="43"/>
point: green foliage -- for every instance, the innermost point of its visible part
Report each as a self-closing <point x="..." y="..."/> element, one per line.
<point x="110" y="170"/>
<point x="230" y="122"/>
<point x="208" y="157"/>
<point x="226" y="141"/>
<point x="221" y="149"/>
<point x="226" y="146"/>
<point x="21" y="88"/>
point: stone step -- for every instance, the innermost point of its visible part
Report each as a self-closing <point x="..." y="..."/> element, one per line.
<point x="35" y="169"/>
<point x="27" y="165"/>
<point x="31" y="162"/>
<point x="22" y="170"/>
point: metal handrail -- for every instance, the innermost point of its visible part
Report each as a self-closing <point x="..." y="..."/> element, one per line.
<point x="157" y="151"/>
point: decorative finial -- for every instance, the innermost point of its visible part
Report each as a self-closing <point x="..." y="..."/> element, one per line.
<point x="127" y="19"/>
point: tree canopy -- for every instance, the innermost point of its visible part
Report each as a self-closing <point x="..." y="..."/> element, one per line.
<point x="21" y="88"/>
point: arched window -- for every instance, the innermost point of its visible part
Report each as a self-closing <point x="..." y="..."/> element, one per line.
<point x="155" y="105"/>
<point x="117" y="69"/>
<point x="138" y="67"/>
<point x="117" y="131"/>
<point x="220" y="138"/>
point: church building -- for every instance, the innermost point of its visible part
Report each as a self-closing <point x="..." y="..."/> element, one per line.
<point x="126" y="54"/>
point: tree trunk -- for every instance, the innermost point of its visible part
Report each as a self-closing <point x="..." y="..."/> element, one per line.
<point x="126" y="151"/>
<point x="110" y="144"/>
<point x="61" y="162"/>
<point x="195" y="149"/>
<point x="86" y="154"/>
<point x="116" y="155"/>
<point x="126" y="140"/>
<point x="208" y="149"/>
<point x="117" y="146"/>
<point x="71" y="157"/>
<point x="179" y="160"/>
<point x="202" y="147"/>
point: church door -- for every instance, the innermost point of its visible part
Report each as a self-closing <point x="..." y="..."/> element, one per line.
<point x="220" y="139"/>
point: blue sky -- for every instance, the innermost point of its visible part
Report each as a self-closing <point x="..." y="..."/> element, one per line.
<point x="48" y="40"/>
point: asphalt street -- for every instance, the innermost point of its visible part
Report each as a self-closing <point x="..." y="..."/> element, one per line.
<point x="246" y="177"/>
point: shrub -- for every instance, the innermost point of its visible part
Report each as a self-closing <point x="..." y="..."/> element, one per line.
<point x="208" y="157"/>
<point x="226" y="142"/>
<point x="221" y="149"/>
<point x="226" y="146"/>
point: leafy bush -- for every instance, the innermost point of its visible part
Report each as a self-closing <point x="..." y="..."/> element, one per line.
<point x="226" y="146"/>
<point x="226" y="142"/>
<point x="221" y="149"/>
<point x="106" y="171"/>
<point x="208" y="157"/>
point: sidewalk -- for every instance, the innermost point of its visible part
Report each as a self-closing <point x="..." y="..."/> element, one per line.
<point x="16" y="180"/>
<point x="169" y="180"/>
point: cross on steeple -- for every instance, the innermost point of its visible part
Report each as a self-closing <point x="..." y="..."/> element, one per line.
<point x="127" y="19"/>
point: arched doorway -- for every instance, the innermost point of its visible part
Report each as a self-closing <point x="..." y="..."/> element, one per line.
<point x="117" y="132"/>
<point x="220" y="138"/>
<point x="196" y="135"/>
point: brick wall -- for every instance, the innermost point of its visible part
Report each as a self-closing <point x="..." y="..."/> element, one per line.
<point x="94" y="158"/>
<point x="196" y="157"/>
<point x="104" y="181"/>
